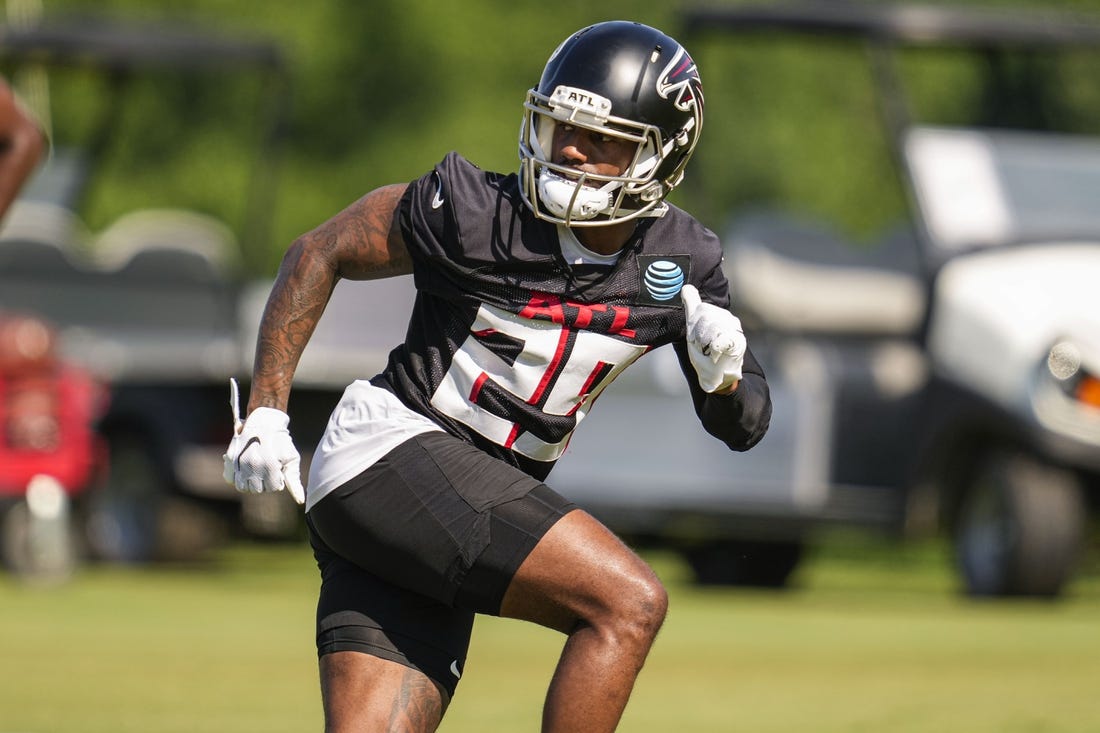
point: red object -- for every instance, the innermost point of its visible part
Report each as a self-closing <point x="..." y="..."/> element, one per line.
<point x="27" y="345"/>
<point x="48" y="411"/>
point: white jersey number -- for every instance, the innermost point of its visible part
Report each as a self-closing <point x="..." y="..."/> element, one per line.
<point x="594" y="361"/>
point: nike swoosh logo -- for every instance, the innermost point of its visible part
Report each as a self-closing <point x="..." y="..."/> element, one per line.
<point x="247" y="445"/>
<point x="437" y="200"/>
<point x="454" y="670"/>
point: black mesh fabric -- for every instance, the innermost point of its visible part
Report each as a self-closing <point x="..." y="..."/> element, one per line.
<point x="490" y="280"/>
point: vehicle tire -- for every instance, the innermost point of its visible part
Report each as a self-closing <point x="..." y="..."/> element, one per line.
<point x="1020" y="528"/>
<point x="37" y="549"/>
<point x="762" y="564"/>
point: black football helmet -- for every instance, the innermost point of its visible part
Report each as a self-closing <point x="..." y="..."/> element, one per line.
<point x="625" y="80"/>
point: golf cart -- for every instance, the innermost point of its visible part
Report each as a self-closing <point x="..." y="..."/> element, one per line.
<point x="948" y="377"/>
<point x="147" y="304"/>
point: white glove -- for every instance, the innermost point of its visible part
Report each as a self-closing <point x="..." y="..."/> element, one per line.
<point x="261" y="456"/>
<point x="716" y="343"/>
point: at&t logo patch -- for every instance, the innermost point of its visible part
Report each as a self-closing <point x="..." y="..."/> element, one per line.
<point x="662" y="278"/>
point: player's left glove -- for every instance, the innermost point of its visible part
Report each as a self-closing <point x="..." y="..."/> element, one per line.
<point x="716" y="343"/>
<point x="261" y="456"/>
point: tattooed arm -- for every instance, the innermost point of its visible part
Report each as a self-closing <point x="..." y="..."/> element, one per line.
<point x="362" y="242"/>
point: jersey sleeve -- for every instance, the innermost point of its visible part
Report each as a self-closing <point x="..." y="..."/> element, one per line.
<point x="707" y="273"/>
<point x="439" y="205"/>
<point x="740" y="419"/>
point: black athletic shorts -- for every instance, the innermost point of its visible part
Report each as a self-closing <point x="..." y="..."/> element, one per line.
<point x="415" y="545"/>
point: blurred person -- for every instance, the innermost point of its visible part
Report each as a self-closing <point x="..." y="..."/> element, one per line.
<point x="22" y="144"/>
<point x="426" y="503"/>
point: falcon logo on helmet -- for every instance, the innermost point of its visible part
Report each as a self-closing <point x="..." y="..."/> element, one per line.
<point x="681" y="78"/>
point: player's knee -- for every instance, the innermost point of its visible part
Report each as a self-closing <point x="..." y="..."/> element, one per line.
<point x="653" y="605"/>
<point x="639" y="608"/>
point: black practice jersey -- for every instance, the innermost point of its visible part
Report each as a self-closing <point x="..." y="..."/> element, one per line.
<point x="509" y="346"/>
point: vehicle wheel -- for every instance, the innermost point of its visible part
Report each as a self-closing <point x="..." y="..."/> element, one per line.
<point x="749" y="563"/>
<point x="37" y="539"/>
<point x="1020" y="528"/>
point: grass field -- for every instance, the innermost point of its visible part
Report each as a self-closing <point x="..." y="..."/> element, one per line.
<point x="873" y="639"/>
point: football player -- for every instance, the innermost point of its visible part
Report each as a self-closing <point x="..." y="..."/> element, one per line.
<point x="426" y="502"/>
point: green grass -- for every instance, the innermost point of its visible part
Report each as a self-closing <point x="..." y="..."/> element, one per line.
<point x="874" y="637"/>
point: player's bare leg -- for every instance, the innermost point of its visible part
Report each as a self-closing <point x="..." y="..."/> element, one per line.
<point x="364" y="693"/>
<point x="583" y="581"/>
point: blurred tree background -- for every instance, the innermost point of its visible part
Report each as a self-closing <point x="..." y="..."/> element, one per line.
<point x="382" y="89"/>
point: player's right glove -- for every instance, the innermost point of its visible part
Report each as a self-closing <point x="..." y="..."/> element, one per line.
<point x="716" y="344"/>
<point x="261" y="456"/>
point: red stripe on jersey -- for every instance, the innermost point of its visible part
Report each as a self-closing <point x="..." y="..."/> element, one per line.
<point x="512" y="436"/>
<point x="600" y="366"/>
<point x="477" y="386"/>
<point x="551" y="368"/>
<point x="619" y="325"/>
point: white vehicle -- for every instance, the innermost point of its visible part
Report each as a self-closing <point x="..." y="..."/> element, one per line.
<point x="950" y="379"/>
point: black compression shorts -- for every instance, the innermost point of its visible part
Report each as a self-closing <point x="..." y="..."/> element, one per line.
<point x="415" y="545"/>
